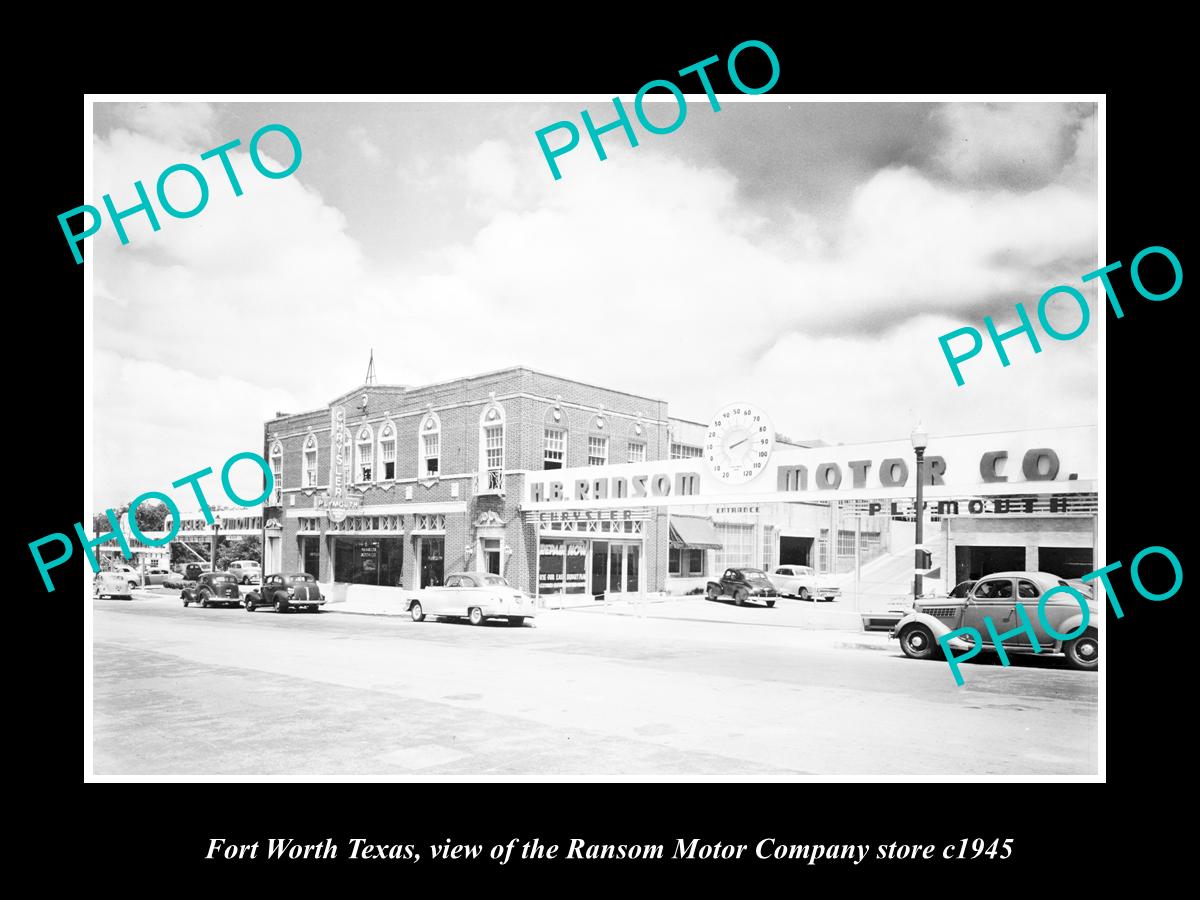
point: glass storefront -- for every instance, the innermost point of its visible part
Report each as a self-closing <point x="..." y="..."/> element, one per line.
<point x="568" y="566"/>
<point x="368" y="560"/>
<point x="433" y="555"/>
<point x="310" y="556"/>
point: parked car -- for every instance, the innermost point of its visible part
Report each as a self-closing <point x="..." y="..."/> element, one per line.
<point x="995" y="596"/>
<point x="803" y="582"/>
<point x="743" y="584"/>
<point x="246" y="571"/>
<point x="112" y="584"/>
<point x="157" y="576"/>
<point x="284" y="592"/>
<point x="476" y="596"/>
<point x="212" y="589"/>
<point x="193" y="571"/>
<point x="132" y="576"/>
<point x="960" y="590"/>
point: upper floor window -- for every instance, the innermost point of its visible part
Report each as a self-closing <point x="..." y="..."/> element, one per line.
<point x="556" y="445"/>
<point x="431" y="445"/>
<point x="365" y="456"/>
<point x="493" y="442"/>
<point x="637" y="452"/>
<point x="685" y="451"/>
<point x="277" y="471"/>
<point x="387" y="451"/>
<point x="597" y="451"/>
<point x="310" y="461"/>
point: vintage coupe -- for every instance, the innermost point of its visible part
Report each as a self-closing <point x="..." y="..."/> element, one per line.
<point x="995" y="597"/>
<point x="802" y="582"/>
<point x="112" y="584"/>
<point x="284" y="592"/>
<point x="476" y="596"/>
<point x="742" y="584"/>
<point x="212" y="589"/>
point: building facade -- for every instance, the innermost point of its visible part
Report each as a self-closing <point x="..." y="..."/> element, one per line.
<point x="397" y="486"/>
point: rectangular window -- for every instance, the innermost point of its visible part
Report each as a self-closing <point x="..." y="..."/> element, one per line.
<point x="737" y="545"/>
<point x="845" y="542"/>
<point x="310" y="468"/>
<point x="387" y="450"/>
<point x="493" y="442"/>
<point x="556" y="442"/>
<point x="685" y="451"/>
<point x="637" y="452"/>
<point x="597" y="451"/>
<point x="277" y="474"/>
<point x="364" y="462"/>
<point x="433" y="443"/>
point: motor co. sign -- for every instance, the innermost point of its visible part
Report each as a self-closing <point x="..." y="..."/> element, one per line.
<point x="1042" y="461"/>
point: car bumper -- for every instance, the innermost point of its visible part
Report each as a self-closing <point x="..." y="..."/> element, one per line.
<point x="509" y="610"/>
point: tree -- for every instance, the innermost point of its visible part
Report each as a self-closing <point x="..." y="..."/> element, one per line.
<point x="243" y="548"/>
<point x="152" y="516"/>
<point x="100" y="523"/>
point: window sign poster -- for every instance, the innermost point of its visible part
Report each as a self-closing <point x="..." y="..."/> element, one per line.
<point x="550" y="567"/>
<point x="576" y="575"/>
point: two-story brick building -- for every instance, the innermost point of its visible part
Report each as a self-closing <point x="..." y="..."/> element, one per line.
<point x="396" y="486"/>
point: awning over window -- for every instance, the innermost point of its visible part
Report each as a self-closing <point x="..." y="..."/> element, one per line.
<point x="692" y="532"/>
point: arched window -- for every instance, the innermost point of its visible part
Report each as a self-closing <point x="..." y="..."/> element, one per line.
<point x="491" y="448"/>
<point x="554" y="438"/>
<point x="277" y="472"/>
<point x="364" y="455"/>
<point x="310" y="461"/>
<point x="430" y="445"/>
<point x="387" y="451"/>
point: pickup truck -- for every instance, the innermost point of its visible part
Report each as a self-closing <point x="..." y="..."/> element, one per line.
<point x="743" y="584"/>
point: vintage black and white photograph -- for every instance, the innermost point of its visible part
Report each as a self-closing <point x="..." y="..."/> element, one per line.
<point x="532" y="438"/>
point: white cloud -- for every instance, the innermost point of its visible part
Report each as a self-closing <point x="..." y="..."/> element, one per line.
<point x="176" y="124"/>
<point x="366" y="147"/>
<point x="642" y="272"/>
<point x="991" y="140"/>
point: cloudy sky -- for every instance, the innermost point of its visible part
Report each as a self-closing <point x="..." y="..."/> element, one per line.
<point x="805" y="256"/>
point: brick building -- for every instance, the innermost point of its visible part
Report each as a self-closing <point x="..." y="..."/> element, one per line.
<point x="430" y="482"/>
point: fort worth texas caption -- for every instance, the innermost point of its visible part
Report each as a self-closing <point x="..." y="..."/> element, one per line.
<point x="577" y="848"/>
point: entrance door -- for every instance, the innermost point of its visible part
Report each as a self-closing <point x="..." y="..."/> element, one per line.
<point x="616" y="559"/>
<point x="491" y="556"/>
<point x="599" y="568"/>
<point x="433" y="551"/>
<point x="311" y="554"/>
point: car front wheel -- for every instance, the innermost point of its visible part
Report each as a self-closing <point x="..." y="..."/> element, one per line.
<point x="516" y="621"/>
<point x="418" y="614"/>
<point x="280" y="606"/>
<point x="770" y="604"/>
<point x="475" y="615"/>
<point x="249" y="604"/>
<point x="917" y="642"/>
<point x="740" y="597"/>
<point x="186" y="601"/>
<point x="1084" y="651"/>
<point x="804" y="594"/>
<point x="713" y="593"/>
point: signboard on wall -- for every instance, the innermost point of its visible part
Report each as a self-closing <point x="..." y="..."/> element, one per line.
<point x="1038" y="461"/>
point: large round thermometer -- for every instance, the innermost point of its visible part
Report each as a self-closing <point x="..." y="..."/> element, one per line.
<point x="739" y="443"/>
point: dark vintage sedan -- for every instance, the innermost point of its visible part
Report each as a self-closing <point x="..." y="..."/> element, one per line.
<point x="743" y="583"/>
<point x="284" y="592"/>
<point x="212" y="589"/>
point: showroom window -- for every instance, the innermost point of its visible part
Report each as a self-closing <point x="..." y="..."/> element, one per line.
<point x="310" y="461"/>
<point x="737" y="545"/>
<point x="556" y="446"/>
<point x="597" y="451"/>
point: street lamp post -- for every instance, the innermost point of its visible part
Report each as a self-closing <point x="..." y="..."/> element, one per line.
<point x="920" y="440"/>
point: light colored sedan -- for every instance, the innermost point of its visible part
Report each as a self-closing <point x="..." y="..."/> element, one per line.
<point x="802" y="582"/>
<point x="476" y="596"/>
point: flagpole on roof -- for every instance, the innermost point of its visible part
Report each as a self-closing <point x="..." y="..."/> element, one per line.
<point x="371" y="368"/>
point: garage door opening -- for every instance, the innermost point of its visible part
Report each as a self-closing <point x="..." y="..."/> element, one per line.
<point x="1065" y="562"/>
<point x="795" y="551"/>
<point x="976" y="562"/>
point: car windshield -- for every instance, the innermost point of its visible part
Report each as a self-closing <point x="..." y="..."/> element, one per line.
<point x="495" y="580"/>
<point x="304" y="577"/>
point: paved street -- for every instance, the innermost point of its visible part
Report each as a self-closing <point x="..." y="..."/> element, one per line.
<point x="688" y="690"/>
